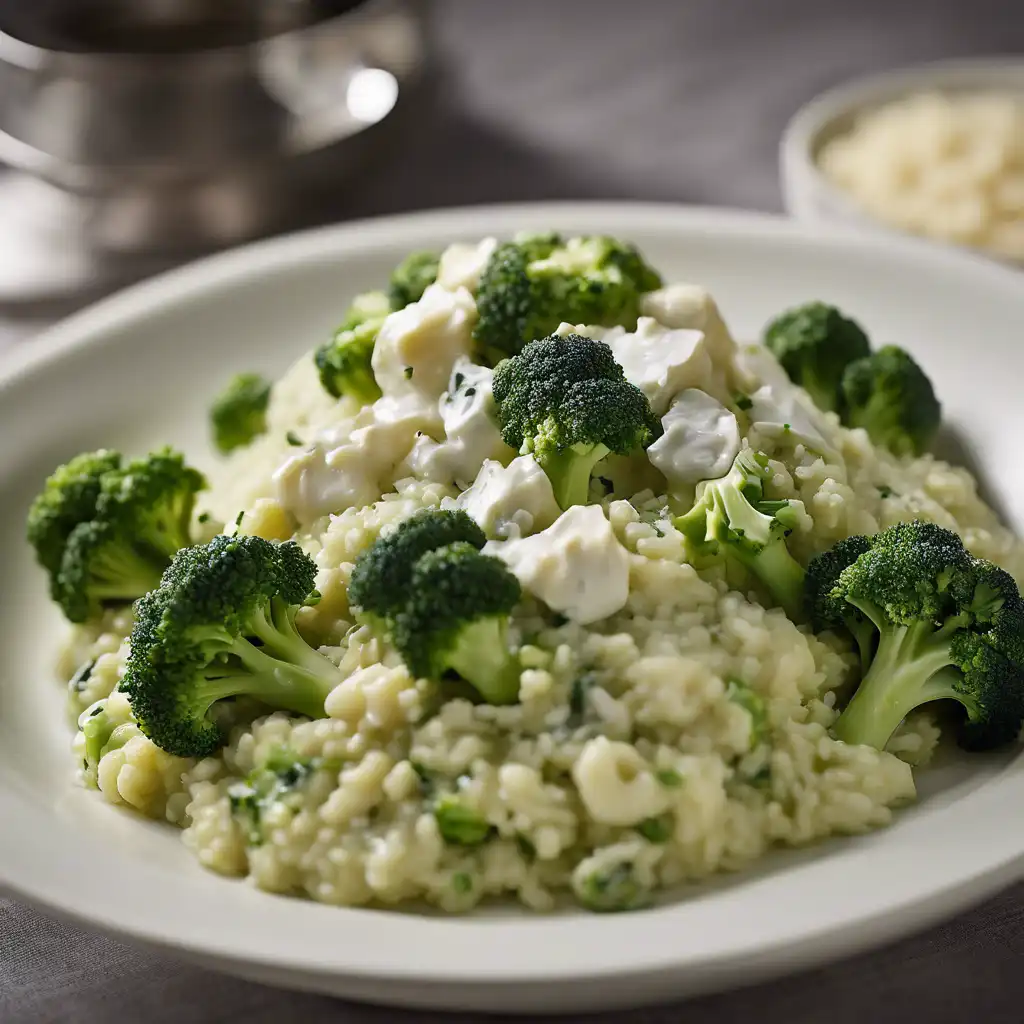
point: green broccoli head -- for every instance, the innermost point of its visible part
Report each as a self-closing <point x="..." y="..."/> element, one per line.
<point x="827" y="611"/>
<point x="891" y="397"/>
<point x="566" y="401"/>
<point x="142" y="516"/>
<point x="533" y="284"/>
<point x="411" y="278"/>
<point x="382" y="574"/>
<point x="948" y="626"/>
<point x="345" y="362"/>
<point x="239" y="413"/>
<point x="68" y="498"/>
<point x="442" y="604"/>
<point x="455" y="619"/>
<point x="220" y="625"/>
<point x="815" y="343"/>
<point x="732" y="519"/>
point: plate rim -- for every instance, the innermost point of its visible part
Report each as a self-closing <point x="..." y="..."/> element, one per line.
<point x="932" y="897"/>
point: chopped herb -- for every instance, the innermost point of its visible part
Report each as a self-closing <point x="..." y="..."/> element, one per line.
<point x="98" y="710"/>
<point x="526" y="848"/>
<point x="407" y="372"/>
<point x="462" y="882"/>
<point x="470" y="392"/>
<point x="273" y="781"/>
<point x="204" y="517"/>
<point x="293" y="439"/>
<point x="460" y="379"/>
<point x="581" y="687"/>
<point x="239" y="518"/>
<point x="425" y="777"/>
<point x="81" y="677"/>
<point x="669" y="777"/>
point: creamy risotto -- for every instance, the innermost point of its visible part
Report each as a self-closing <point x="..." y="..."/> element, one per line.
<point x="668" y="718"/>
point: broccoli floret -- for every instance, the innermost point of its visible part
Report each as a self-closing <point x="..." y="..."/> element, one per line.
<point x="891" y="397"/>
<point x="344" y="363"/>
<point x="825" y="610"/>
<point x="222" y="624"/>
<point x="277" y="780"/>
<point x="365" y="307"/>
<point x="142" y="516"/>
<point x="949" y="627"/>
<point x="536" y="282"/>
<point x="815" y="343"/>
<point x="459" y="825"/>
<point x="455" y="619"/>
<point x="657" y="830"/>
<point x="68" y="498"/>
<point x="611" y="889"/>
<point x="411" y="278"/>
<point x="443" y="604"/>
<point x="566" y="401"/>
<point x="239" y="413"/>
<point x="732" y="519"/>
<point x="382" y="575"/>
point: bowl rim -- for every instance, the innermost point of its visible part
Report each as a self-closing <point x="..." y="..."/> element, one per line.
<point x="27" y="868"/>
<point x="799" y="170"/>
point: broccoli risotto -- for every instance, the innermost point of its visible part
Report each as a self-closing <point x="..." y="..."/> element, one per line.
<point x="533" y="582"/>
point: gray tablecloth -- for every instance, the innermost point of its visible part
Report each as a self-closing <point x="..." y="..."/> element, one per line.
<point x="565" y="98"/>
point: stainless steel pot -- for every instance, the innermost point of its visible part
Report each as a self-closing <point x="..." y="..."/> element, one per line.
<point x="183" y="125"/>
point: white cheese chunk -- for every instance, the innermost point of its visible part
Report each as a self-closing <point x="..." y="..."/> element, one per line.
<point x="661" y="361"/>
<point x="511" y="501"/>
<point x="417" y="347"/>
<point x="576" y="567"/>
<point x="700" y="441"/>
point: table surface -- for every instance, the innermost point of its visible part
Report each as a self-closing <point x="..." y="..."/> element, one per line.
<point x="667" y="100"/>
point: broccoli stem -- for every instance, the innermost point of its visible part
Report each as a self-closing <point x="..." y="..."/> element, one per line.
<point x="362" y="385"/>
<point x="780" y="574"/>
<point x="283" y="671"/>
<point x="569" y="471"/>
<point x="907" y="671"/>
<point x="482" y="657"/>
<point x="273" y="681"/>
<point x="762" y="550"/>
<point x="122" y="571"/>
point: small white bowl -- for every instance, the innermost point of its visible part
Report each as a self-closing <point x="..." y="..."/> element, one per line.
<point x="808" y="194"/>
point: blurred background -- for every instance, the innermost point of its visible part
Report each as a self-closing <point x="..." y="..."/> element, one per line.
<point x="140" y="133"/>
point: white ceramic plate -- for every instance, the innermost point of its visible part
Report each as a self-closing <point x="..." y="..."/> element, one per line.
<point x="139" y="370"/>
